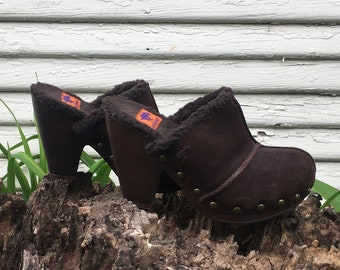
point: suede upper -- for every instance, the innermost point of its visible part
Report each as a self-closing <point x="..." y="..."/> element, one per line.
<point x="67" y="123"/>
<point x="207" y="149"/>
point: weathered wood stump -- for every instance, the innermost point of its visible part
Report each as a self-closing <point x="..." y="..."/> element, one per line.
<point x="72" y="225"/>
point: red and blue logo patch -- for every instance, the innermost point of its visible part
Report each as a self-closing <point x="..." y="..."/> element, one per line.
<point x="148" y="118"/>
<point x="70" y="100"/>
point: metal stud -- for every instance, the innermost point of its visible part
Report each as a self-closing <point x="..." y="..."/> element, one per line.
<point x="100" y="146"/>
<point x="260" y="207"/>
<point x="213" y="205"/>
<point x="237" y="210"/>
<point x="162" y="158"/>
<point x="180" y="175"/>
<point x="111" y="158"/>
<point x="281" y="202"/>
<point x="297" y="197"/>
<point x="197" y="191"/>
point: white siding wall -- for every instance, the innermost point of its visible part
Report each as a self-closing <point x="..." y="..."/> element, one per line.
<point x="282" y="58"/>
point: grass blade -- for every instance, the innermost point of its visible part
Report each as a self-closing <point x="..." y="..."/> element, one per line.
<point x="22" y="179"/>
<point x="87" y="159"/>
<point x="330" y="200"/>
<point x="20" y="143"/>
<point x="31" y="165"/>
<point x="95" y="166"/>
<point x="11" y="175"/>
<point x="24" y="142"/>
<point x="102" y="175"/>
<point x="4" y="150"/>
<point x="21" y="133"/>
<point x="3" y="188"/>
<point x="42" y="156"/>
<point x="327" y="192"/>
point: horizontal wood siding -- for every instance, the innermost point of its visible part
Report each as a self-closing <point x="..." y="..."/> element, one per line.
<point x="282" y="59"/>
<point x="261" y="110"/>
<point x="174" y="75"/>
<point x="194" y="11"/>
<point x="208" y="41"/>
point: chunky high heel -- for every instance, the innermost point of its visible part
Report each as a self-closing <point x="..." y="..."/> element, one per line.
<point x="67" y="123"/>
<point x="207" y="149"/>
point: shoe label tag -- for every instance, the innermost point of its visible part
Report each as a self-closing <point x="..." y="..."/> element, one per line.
<point x="148" y="118"/>
<point x="69" y="100"/>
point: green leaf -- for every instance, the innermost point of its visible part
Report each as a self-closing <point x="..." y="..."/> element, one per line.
<point x="22" y="179"/>
<point x="23" y="140"/>
<point x="4" y="150"/>
<point x="87" y="159"/>
<point x="7" y="156"/>
<point x="102" y="175"/>
<point x="11" y="175"/>
<point x="29" y="162"/>
<point x="95" y="166"/>
<point x="21" y="143"/>
<point x="329" y="193"/>
<point x="21" y="133"/>
<point x="3" y="188"/>
<point x="36" y="165"/>
<point x="330" y="200"/>
<point x="42" y="157"/>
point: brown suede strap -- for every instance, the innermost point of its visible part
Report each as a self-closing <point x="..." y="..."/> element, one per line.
<point x="231" y="179"/>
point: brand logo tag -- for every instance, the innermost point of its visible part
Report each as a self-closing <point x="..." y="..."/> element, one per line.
<point x="69" y="100"/>
<point x="148" y="118"/>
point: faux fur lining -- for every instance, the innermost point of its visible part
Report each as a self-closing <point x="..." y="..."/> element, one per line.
<point x="89" y="122"/>
<point x="184" y="112"/>
<point x="189" y="116"/>
<point x="131" y="90"/>
<point x="133" y="87"/>
<point x="39" y="93"/>
<point x="110" y="107"/>
<point x="170" y="131"/>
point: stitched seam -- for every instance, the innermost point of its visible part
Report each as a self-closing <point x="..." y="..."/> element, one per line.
<point x="232" y="178"/>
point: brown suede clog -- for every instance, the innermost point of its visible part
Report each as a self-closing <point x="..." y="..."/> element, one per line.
<point x="207" y="149"/>
<point x="67" y="123"/>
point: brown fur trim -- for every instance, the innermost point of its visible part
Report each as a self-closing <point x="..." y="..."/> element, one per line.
<point x="110" y="108"/>
<point x="170" y="131"/>
<point x="189" y="116"/>
<point x="39" y="92"/>
<point x="131" y="90"/>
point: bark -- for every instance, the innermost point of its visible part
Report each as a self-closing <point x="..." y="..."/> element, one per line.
<point x="73" y="225"/>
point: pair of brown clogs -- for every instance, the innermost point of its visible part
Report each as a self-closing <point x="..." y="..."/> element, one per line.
<point x="205" y="149"/>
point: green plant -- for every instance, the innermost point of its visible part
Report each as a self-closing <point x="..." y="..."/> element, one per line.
<point x="22" y="163"/>
<point x="329" y="193"/>
<point x="100" y="169"/>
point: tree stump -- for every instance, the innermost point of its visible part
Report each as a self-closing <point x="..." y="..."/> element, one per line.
<point x="69" y="224"/>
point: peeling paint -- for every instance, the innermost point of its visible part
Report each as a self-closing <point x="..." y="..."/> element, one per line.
<point x="329" y="138"/>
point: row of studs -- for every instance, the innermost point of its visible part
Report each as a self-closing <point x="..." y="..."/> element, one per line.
<point x="236" y="210"/>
